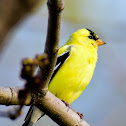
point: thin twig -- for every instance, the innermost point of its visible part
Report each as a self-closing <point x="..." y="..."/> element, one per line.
<point x="12" y="113"/>
<point x="55" y="8"/>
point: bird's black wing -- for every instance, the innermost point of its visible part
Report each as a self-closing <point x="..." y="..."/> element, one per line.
<point x="60" y="60"/>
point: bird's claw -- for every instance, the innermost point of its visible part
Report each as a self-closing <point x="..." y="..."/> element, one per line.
<point x="65" y="103"/>
<point x="81" y="115"/>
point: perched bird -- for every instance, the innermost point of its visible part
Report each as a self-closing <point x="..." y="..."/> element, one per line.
<point x="74" y="68"/>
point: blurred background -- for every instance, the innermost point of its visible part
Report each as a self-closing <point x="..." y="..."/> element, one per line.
<point x="103" y="102"/>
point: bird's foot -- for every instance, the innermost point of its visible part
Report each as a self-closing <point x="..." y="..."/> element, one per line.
<point x="65" y="103"/>
<point x="81" y="115"/>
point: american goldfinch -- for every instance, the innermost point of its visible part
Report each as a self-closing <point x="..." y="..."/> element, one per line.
<point x="74" y="68"/>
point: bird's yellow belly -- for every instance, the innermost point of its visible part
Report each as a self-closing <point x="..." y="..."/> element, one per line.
<point x="71" y="79"/>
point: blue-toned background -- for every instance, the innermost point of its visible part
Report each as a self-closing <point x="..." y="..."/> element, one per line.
<point x="103" y="102"/>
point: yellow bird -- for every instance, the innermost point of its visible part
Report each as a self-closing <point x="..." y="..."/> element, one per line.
<point x="74" y="68"/>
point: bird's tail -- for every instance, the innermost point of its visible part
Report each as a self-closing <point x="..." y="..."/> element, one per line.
<point x="27" y="123"/>
<point x="33" y="115"/>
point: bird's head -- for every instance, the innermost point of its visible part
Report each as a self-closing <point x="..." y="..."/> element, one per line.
<point x="87" y="37"/>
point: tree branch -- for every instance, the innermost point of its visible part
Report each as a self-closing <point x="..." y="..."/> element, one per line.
<point x="58" y="111"/>
<point x="55" y="8"/>
<point x="12" y="11"/>
<point x="9" y="95"/>
<point x="51" y="105"/>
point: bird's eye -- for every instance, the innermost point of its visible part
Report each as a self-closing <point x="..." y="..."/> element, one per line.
<point x="90" y="37"/>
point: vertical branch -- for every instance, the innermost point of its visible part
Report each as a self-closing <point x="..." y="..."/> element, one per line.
<point x="55" y="8"/>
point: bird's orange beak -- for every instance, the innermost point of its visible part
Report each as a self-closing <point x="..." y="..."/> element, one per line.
<point x="100" y="42"/>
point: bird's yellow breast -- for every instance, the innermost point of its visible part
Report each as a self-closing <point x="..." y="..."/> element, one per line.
<point x="75" y="73"/>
